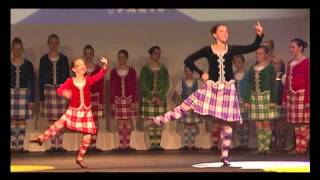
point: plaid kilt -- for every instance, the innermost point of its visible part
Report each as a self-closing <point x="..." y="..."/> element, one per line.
<point x="124" y="109"/>
<point x="96" y="108"/>
<point x="79" y="120"/>
<point x="219" y="100"/>
<point x="19" y="104"/>
<point x="296" y="113"/>
<point x="55" y="105"/>
<point x="148" y="110"/>
<point x="260" y="109"/>
<point x="190" y="118"/>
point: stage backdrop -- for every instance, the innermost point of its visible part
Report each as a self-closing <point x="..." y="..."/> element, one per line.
<point x="179" y="32"/>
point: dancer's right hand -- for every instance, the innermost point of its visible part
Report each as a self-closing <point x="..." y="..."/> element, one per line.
<point x="205" y="76"/>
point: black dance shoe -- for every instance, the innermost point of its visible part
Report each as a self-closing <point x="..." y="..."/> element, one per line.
<point x="37" y="141"/>
<point x="81" y="163"/>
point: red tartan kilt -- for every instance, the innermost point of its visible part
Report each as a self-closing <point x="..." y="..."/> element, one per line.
<point x="124" y="109"/>
<point x="79" y="120"/>
<point x="296" y="111"/>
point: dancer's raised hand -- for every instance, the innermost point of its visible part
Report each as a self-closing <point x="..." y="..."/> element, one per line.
<point x="259" y="29"/>
<point x="104" y="61"/>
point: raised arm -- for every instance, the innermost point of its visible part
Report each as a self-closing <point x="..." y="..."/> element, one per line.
<point x="253" y="46"/>
<point x="101" y="73"/>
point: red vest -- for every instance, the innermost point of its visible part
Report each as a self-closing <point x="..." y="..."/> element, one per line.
<point x="76" y="97"/>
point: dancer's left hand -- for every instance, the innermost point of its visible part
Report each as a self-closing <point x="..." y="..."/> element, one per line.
<point x="259" y="29"/>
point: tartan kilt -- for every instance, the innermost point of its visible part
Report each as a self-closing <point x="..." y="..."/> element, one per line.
<point x="260" y="109"/>
<point x="19" y="104"/>
<point x="80" y="120"/>
<point x="190" y="118"/>
<point x="148" y="110"/>
<point x="219" y="100"/>
<point x="96" y="108"/>
<point x="296" y="113"/>
<point x="124" y="109"/>
<point x="55" y="105"/>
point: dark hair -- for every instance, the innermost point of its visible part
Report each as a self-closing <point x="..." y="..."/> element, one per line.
<point x="300" y="43"/>
<point x="186" y="67"/>
<point x="239" y="56"/>
<point x="265" y="48"/>
<point x="16" y="40"/>
<point x="215" y="27"/>
<point x="52" y="36"/>
<point x="88" y="46"/>
<point x="74" y="61"/>
<point x="152" y="49"/>
<point x="125" y="52"/>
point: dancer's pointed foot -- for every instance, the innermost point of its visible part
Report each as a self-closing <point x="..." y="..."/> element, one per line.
<point x="81" y="163"/>
<point x="225" y="162"/>
<point x="36" y="140"/>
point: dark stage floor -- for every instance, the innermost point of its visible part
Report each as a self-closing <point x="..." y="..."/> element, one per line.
<point x="163" y="161"/>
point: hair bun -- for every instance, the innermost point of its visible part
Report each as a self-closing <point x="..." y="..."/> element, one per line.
<point x="305" y="44"/>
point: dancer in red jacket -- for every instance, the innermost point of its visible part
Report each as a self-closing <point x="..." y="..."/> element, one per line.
<point x="78" y="116"/>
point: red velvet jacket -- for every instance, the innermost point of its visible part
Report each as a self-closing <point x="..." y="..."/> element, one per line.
<point x="130" y="82"/>
<point x="98" y="86"/>
<point x="298" y="77"/>
<point x="75" y="100"/>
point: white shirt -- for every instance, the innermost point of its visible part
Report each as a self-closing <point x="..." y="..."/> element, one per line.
<point x="55" y="59"/>
<point x="122" y="72"/>
<point x="239" y="76"/>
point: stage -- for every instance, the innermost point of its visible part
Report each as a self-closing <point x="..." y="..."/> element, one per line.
<point x="161" y="161"/>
